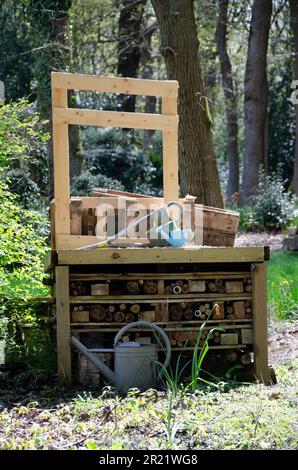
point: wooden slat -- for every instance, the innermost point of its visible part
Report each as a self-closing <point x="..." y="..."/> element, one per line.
<point x="61" y="165"/>
<point x="161" y="276"/>
<point x="260" y="323"/>
<point x="162" y="255"/>
<point x="205" y="297"/>
<point x="129" y="86"/>
<point x="170" y="153"/>
<point x="63" y="324"/>
<point x="92" y="117"/>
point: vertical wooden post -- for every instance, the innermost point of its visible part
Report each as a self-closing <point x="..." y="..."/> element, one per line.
<point x="63" y="324"/>
<point x="61" y="165"/>
<point x="170" y="153"/>
<point x="260" y="322"/>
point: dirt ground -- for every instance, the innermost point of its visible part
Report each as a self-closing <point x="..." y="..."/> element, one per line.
<point x="260" y="239"/>
<point x="283" y="342"/>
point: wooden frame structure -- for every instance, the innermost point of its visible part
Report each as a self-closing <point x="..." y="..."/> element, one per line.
<point x="167" y="122"/>
<point x="68" y="264"/>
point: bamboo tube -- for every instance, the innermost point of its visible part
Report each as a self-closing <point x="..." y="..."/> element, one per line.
<point x="135" y="308"/>
<point x="122" y="307"/>
<point x="133" y="287"/>
<point x="212" y="287"/>
<point x="245" y="358"/>
<point x="119" y="317"/>
<point x="108" y="316"/>
<point x="111" y="308"/>
<point x="129" y="317"/>
<point x="188" y="315"/>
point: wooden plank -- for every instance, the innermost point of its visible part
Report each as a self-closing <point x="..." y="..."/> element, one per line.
<point x="76" y="217"/>
<point x="170" y="153"/>
<point x="93" y="117"/>
<point x="161" y="255"/>
<point x="72" y="242"/>
<point x="260" y="323"/>
<point x="162" y="276"/>
<point x="154" y="297"/>
<point x="61" y="165"/>
<point x="227" y="323"/>
<point x="63" y="324"/>
<point x="129" y="86"/>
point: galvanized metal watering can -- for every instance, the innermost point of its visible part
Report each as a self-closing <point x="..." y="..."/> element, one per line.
<point x="135" y="363"/>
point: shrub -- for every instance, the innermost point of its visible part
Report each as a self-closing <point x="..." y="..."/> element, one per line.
<point x="22" y="249"/>
<point x="86" y="181"/>
<point x="272" y="208"/>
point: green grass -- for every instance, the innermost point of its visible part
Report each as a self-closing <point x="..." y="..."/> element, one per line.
<point x="283" y="285"/>
<point x="247" y="417"/>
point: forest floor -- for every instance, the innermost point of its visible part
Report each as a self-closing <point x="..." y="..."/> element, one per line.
<point x="37" y="414"/>
<point x="260" y="239"/>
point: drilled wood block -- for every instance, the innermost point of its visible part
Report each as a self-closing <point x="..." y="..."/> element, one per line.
<point x="239" y="310"/>
<point x="80" y="316"/>
<point x="196" y="286"/>
<point x="100" y="289"/>
<point x="148" y="315"/>
<point x="227" y="339"/>
<point x="247" y="335"/>
<point x="234" y="286"/>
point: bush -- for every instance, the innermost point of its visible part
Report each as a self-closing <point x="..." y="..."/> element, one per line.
<point x="22" y="250"/>
<point x="272" y="208"/>
<point x="119" y="155"/>
<point x="83" y="184"/>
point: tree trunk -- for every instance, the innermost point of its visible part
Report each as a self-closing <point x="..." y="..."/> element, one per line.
<point x="230" y="99"/>
<point x="180" y="48"/>
<point x="255" y="100"/>
<point x="129" y="45"/>
<point x="294" y="26"/>
<point x="146" y="61"/>
<point x="52" y="26"/>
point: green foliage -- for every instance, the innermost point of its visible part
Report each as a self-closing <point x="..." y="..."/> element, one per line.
<point x="16" y="54"/>
<point x="22" y="249"/>
<point x="21" y="133"/>
<point x="282" y="285"/>
<point x="83" y="184"/>
<point x="272" y="208"/>
<point x="115" y="153"/>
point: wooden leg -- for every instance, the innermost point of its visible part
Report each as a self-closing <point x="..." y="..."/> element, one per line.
<point x="63" y="325"/>
<point x="260" y="323"/>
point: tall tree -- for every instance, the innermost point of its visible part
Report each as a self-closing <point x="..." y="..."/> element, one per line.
<point x="294" y="25"/>
<point x="230" y="98"/>
<point x="180" y="48"/>
<point x="49" y="23"/>
<point x="129" y="45"/>
<point x="255" y="96"/>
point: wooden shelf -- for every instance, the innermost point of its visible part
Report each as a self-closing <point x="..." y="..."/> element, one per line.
<point x="154" y="276"/>
<point x="235" y="323"/>
<point x="232" y="346"/>
<point x="109" y="329"/>
<point x="158" y="298"/>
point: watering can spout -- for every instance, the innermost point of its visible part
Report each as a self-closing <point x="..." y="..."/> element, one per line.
<point x="104" y="369"/>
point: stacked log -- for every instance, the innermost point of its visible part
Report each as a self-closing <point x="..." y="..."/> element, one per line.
<point x="77" y="288"/>
<point x="248" y="285"/>
<point x="150" y="287"/>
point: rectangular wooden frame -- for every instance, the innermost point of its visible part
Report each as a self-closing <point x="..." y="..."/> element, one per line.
<point x="167" y="122"/>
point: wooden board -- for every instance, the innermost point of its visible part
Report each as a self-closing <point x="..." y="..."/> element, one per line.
<point x="61" y="165"/>
<point x="92" y="117"/>
<point x="259" y="306"/>
<point x="63" y="324"/>
<point x="161" y="255"/>
<point x="130" y="86"/>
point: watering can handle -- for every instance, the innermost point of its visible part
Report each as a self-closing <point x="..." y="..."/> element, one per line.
<point x="153" y="326"/>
